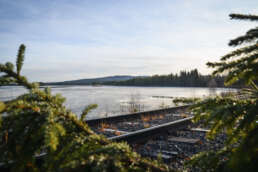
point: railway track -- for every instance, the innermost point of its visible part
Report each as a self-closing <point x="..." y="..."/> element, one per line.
<point x="125" y="124"/>
<point x="133" y="116"/>
<point x="143" y="135"/>
<point x="170" y="135"/>
<point x="177" y="146"/>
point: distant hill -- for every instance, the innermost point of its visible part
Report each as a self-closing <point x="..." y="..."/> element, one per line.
<point x="93" y="81"/>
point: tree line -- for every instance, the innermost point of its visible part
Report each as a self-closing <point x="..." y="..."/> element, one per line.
<point x="190" y="78"/>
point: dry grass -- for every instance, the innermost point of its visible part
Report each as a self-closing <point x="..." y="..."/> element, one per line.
<point x="113" y="127"/>
<point x="145" y="118"/>
<point x="161" y="116"/>
<point x="154" y="117"/>
<point x="184" y="115"/>
<point x="146" y="125"/>
<point x="117" y="133"/>
<point x="103" y="126"/>
<point x="101" y="129"/>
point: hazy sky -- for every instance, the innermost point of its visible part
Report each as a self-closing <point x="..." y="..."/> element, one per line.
<point x="73" y="39"/>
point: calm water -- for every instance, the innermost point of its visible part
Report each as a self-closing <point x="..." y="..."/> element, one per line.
<point x="113" y="100"/>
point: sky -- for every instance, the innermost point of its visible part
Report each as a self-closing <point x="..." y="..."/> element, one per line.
<point x="75" y="39"/>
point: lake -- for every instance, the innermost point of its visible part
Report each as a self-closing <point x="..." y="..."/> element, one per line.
<point x="114" y="100"/>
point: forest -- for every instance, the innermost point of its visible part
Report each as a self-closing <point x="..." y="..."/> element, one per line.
<point x="184" y="79"/>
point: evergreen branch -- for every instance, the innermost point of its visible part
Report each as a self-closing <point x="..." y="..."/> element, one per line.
<point x="235" y="115"/>
<point x="252" y="31"/>
<point x="87" y="109"/>
<point x="209" y="160"/>
<point x="244" y="157"/>
<point x="184" y="100"/>
<point x="238" y="52"/>
<point x="9" y="66"/>
<point x="215" y="64"/>
<point x="20" y="58"/>
<point x="18" y="79"/>
<point x="250" y="36"/>
<point x="81" y="125"/>
<point x="243" y="68"/>
<point x="13" y="77"/>
<point x="6" y="80"/>
<point x="244" y="17"/>
<point x="254" y="85"/>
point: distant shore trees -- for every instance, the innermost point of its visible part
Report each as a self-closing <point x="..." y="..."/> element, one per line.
<point x="190" y="78"/>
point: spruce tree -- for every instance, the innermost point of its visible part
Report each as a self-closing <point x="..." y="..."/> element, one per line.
<point x="235" y="115"/>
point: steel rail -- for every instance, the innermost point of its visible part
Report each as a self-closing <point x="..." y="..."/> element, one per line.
<point x="147" y="133"/>
<point x="126" y="117"/>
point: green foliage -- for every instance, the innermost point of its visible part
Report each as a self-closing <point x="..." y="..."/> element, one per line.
<point x="20" y="58"/>
<point x="184" y="100"/>
<point x="87" y="110"/>
<point x="2" y="106"/>
<point x="244" y="17"/>
<point x="241" y="63"/>
<point x="235" y="115"/>
<point x="38" y="122"/>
